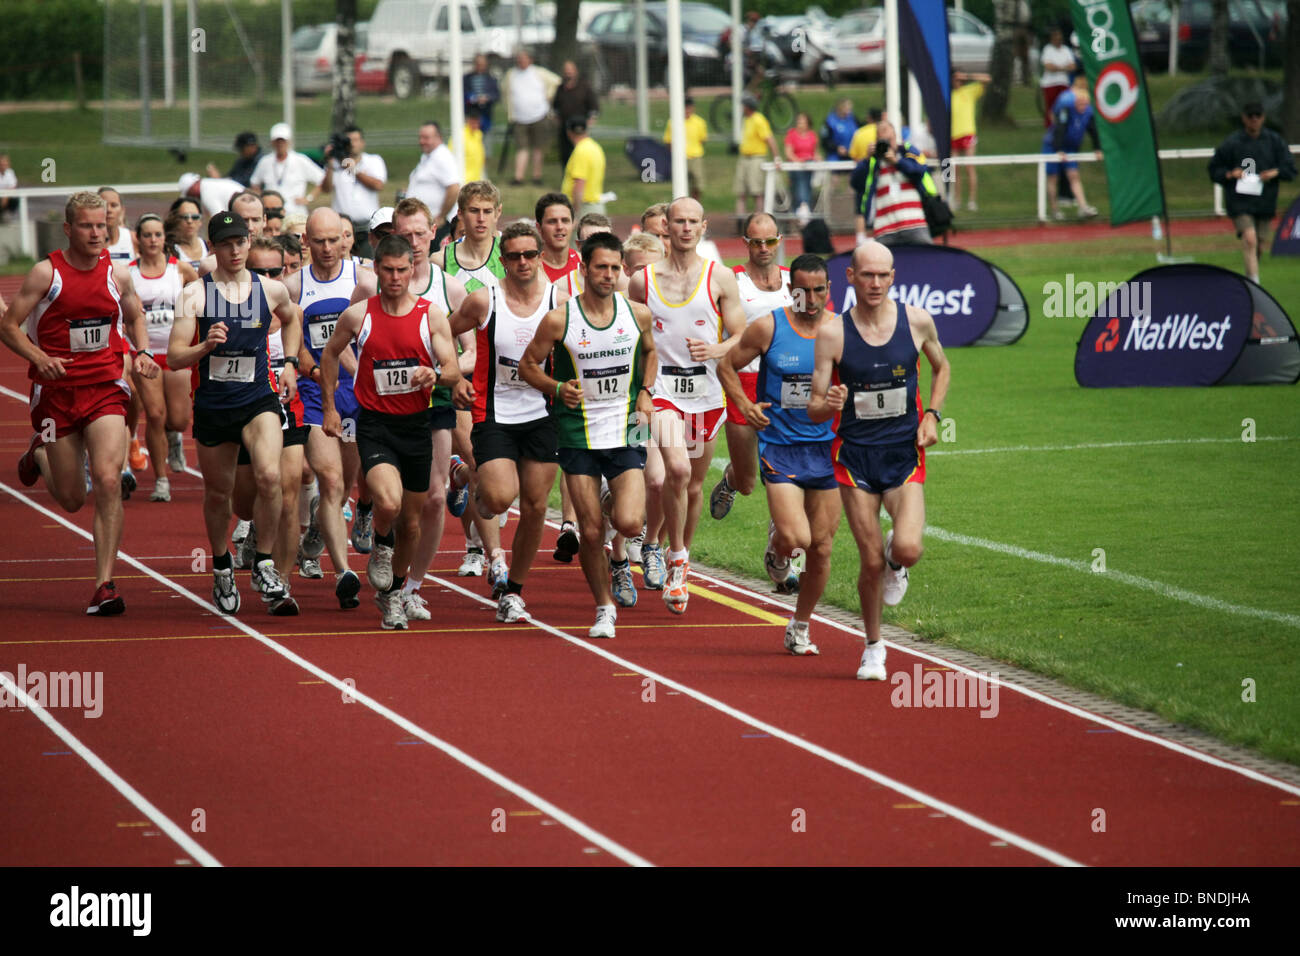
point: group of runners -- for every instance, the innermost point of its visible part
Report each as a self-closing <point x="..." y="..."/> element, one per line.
<point x="461" y="378"/>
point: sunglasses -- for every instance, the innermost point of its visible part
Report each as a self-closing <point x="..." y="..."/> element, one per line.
<point x="275" y="213"/>
<point x="770" y="243"/>
<point x="516" y="256"/>
<point x="191" y="216"/>
<point x="269" y="273"/>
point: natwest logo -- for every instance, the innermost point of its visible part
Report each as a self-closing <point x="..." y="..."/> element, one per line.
<point x="934" y="301"/>
<point x="1176" y="332"/>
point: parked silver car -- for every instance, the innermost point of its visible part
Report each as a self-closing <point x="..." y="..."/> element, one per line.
<point x="858" y="43"/>
<point x="314" y="50"/>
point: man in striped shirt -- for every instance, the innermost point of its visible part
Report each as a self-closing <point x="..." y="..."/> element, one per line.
<point x="888" y="200"/>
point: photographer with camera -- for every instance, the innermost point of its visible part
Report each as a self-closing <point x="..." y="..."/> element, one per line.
<point x="355" y="177"/>
<point x="888" y="186"/>
<point x="289" y="173"/>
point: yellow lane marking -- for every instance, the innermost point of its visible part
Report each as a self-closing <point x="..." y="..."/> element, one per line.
<point x="909" y="806"/>
<point x="137" y="823"/>
<point x="525" y="813"/>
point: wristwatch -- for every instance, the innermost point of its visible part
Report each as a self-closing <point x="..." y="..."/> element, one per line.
<point x="145" y="352"/>
<point x="292" y="360"/>
<point x="937" y="417"/>
<point x="647" y="389"/>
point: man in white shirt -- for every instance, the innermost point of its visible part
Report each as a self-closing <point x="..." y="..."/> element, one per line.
<point x="289" y="173"/>
<point x="8" y="180"/>
<point x="528" y="91"/>
<point x="355" y="180"/>
<point x="214" y="195"/>
<point x="435" y="181"/>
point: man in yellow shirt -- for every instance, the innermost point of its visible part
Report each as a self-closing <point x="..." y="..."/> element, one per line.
<point x="967" y="88"/>
<point x="755" y="143"/>
<point x="475" y="157"/>
<point x="697" y="131"/>
<point x="584" y="174"/>
<point x="864" y="140"/>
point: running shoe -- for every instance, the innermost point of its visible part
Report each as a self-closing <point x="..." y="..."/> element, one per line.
<point x="309" y="567"/>
<point x="652" y="567"/>
<point x="379" y="569"/>
<point x="128" y="483"/>
<point x="266" y="581"/>
<point x="175" y="451"/>
<point x="778" y="568"/>
<point x="510" y="608"/>
<point x="676" y="592"/>
<point x="498" y="575"/>
<point x="224" y="593"/>
<point x="415" y="607"/>
<point x="620" y="576"/>
<point x="138" y="458"/>
<point x="472" y="566"/>
<point x="162" y="490"/>
<point x="246" y="556"/>
<point x="1088" y="212"/>
<point x="634" y="547"/>
<point x="346" y="588"/>
<point x="566" y="545"/>
<point x="283" y="606"/>
<point x="458" y="490"/>
<point x="106" y="600"/>
<point x="796" y="639"/>
<point x="390" y="606"/>
<point x="604" y="626"/>
<point x="363" y="531"/>
<point x="85" y="467"/>
<point x="872" y="666"/>
<point x="721" y="498"/>
<point x="312" y="542"/>
<point x="241" y="531"/>
<point x="28" y="470"/>
<point x="895" y="580"/>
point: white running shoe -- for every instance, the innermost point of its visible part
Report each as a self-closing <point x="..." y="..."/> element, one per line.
<point x="415" y="607"/>
<point x="241" y="531"/>
<point x="872" y="666"/>
<point x="778" y="569"/>
<point x="312" y="542"/>
<point x="390" y="606"/>
<point x="721" y="498"/>
<point x="604" y="626"/>
<point x="498" y="575"/>
<point x="266" y="581"/>
<point x="796" y="639"/>
<point x="676" y="591"/>
<point x="634" y="547"/>
<point x="379" y="569"/>
<point x="510" y="608"/>
<point x="224" y="593"/>
<point x="363" y="531"/>
<point x="895" y="581"/>
<point x="246" y="554"/>
<point x="162" y="490"/>
<point x="620" y="579"/>
<point x="309" y="567"/>
<point x="472" y="566"/>
<point x="175" y="451"/>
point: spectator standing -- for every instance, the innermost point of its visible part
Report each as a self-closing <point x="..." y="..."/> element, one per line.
<point x="756" y="142"/>
<point x="890" y="203"/>
<point x="8" y="180"/>
<point x="528" y="91"/>
<point x="801" y="147"/>
<point x="481" y="94"/>
<point x="355" y="180"/>
<point x="574" y="99"/>
<point x="475" y="153"/>
<point x="1248" y="165"/>
<point x="1071" y="120"/>
<point x="838" y="129"/>
<point x="584" y="175"/>
<point x="697" y="131"/>
<point x="967" y="88"/>
<point x="289" y="173"/>
<point x="250" y="153"/>
<point x="864" y="140"/>
<point x="435" y="181"/>
<point x="1057" y="60"/>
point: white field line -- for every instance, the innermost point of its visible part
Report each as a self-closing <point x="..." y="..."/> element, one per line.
<point x="937" y="450"/>
<point x="460" y="756"/>
<point x="160" y="820"/>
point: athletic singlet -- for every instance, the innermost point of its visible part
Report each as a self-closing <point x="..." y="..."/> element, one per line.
<point x="158" y="295"/>
<point x="884" y="393"/>
<point x="275" y="355"/>
<point x="389" y="349"/>
<point x="80" y="318"/>
<point x="491" y="272"/>
<point x="785" y="379"/>
<point x="322" y="303"/>
<point x="501" y="396"/>
<point x="195" y="263"/>
<point x="570" y="265"/>
<point x="122" y="250"/>
<point x="758" y="302"/>
<point x="607" y="361"/>
<point x="690" y="385"/>
<point x="238" y="371"/>
<point x="435" y="293"/>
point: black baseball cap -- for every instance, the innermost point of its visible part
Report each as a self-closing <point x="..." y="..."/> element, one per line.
<point x="245" y="138"/>
<point x="226" y="225"/>
<point x="1253" y="108"/>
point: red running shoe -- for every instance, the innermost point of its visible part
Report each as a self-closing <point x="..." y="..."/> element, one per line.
<point x="28" y="471"/>
<point x="106" y="600"/>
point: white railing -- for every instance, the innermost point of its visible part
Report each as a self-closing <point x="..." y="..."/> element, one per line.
<point x="27" y="230"/>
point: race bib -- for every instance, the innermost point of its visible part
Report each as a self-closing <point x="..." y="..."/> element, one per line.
<point x="880" y="402"/>
<point x="319" y="332"/>
<point x="685" y="382"/>
<point x="160" y="318"/>
<point x="232" y="366"/>
<point x="508" y="373"/>
<point x="89" y="335"/>
<point x="796" y="389"/>
<point x="393" y="376"/>
<point x="606" y="384"/>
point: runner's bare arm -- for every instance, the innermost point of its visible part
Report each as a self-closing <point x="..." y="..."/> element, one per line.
<point x="645" y="404"/>
<point x="345" y="330"/>
<point x="133" y="317"/>
<point x="754" y="341"/>
<point x="443" y="349"/>
<point x="207" y="264"/>
<point x="287" y="311"/>
<point x="472" y="312"/>
<point x="187" y="272"/>
<point x="923" y="326"/>
<point x="439" y="259"/>
<point x="549" y="331"/>
<point x="182" y="349"/>
<point x="726" y="293"/>
<point x="636" y="291"/>
<point x="455" y="292"/>
<point x="468" y="352"/>
<point x="33" y="288"/>
<point x="367" y="285"/>
<point x="826" y="400"/>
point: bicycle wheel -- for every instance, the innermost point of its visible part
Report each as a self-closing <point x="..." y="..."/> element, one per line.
<point x="720" y="116"/>
<point x="781" y="110"/>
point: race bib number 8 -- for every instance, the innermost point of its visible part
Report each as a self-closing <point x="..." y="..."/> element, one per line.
<point x="796" y="389"/>
<point x="89" y="335"/>
<point x="318" y="333"/>
<point x="232" y="367"/>
<point x="508" y="373"/>
<point x="393" y="376"/>
<point x="605" y="384"/>
<point x="880" y="402"/>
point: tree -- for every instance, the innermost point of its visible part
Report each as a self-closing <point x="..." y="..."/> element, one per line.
<point x="1218" y="37"/>
<point x="565" y="46"/>
<point x="997" y="97"/>
<point x="1290" y="112"/>
<point x="345" y="78"/>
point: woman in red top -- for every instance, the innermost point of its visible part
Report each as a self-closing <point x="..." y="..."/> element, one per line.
<point x="801" y="147"/>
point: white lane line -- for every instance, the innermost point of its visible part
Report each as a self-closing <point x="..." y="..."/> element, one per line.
<point x="898" y="786"/>
<point x="460" y="756"/>
<point x="160" y="820"/>
<point x="1103" y="444"/>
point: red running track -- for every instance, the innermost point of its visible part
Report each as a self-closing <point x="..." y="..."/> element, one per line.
<point x="684" y="741"/>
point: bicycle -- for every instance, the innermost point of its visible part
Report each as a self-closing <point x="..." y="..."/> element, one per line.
<point x="774" y="102"/>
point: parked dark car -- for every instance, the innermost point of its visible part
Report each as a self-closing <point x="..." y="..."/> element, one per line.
<point x="613" y="41"/>
<point x="1256" y="29"/>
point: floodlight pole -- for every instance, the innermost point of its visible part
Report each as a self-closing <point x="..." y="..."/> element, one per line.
<point x="642" y="73"/>
<point x="192" y="20"/>
<point x="169" y="55"/>
<point x="456" y="85"/>
<point x="737" y="72"/>
<point x="146" y="112"/>
<point x="893" y="64"/>
<point x="286" y="61"/>
<point x="676" y="97"/>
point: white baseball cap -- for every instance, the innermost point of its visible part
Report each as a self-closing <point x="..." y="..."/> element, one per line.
<point x="281" y="131"/>
<point x="382" y="217"/>
<point x="187" y="182"/>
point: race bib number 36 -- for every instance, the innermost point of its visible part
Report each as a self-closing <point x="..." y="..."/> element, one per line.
<point x="605" y="384"/>
<point x="89" y="335"/>
<point x="232" y="366"/>
<point x="318" y="333"/>
<point x="795" y="390"/>
<point x="880" y="402"/>
<point x="393" y="376"/>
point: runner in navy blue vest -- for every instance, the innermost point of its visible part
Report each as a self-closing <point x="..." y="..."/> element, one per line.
<point x="867" y="380"/>
<point x="222" y="325"/>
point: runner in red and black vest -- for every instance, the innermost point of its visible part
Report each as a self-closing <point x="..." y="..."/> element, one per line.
<point x="402" y="353"/>
<point x="80" y="307"/>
